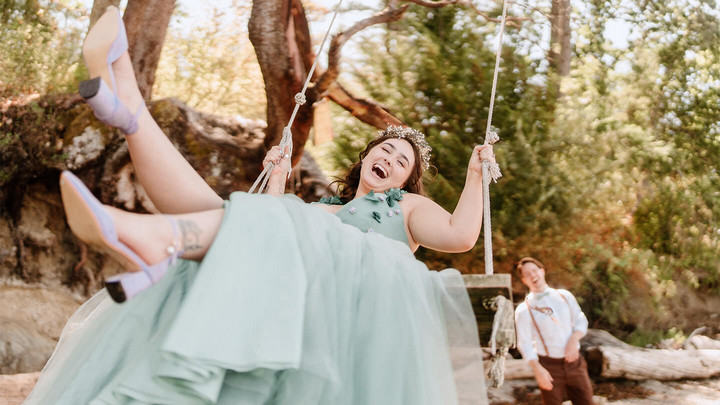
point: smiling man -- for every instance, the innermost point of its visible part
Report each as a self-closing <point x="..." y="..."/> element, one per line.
<point x="549" y="326"/>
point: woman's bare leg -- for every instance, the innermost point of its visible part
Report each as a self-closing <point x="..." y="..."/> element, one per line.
<point x="149" y="235"/>
<point x="169" y="180"/>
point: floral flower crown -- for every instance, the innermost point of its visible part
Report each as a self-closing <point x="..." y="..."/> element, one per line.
<point x="412" y="135"/>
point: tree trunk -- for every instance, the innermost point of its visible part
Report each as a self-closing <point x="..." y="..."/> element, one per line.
<point x="280" y="35"/>
<point x="98" y="9"/>
<point x="146" y="22"/>
<point x="367" y="111"/>
<point x="560" y="53"/>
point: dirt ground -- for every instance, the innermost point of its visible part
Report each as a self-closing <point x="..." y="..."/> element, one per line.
<point x="620" y="392"/>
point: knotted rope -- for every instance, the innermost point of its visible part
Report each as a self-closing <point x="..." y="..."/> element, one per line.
<point x="286" y="144"/>
<point x="502" y="339"/>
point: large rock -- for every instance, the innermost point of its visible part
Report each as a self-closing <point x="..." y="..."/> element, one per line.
<point x="22" y="347"/>
<point x="15" y="388"/>
<point x="41" y="137"/>
<point x="8" y="249"/>
<point x="31" y="321"/>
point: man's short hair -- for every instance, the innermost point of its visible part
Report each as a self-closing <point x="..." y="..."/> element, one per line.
<point x="525" y="260"/>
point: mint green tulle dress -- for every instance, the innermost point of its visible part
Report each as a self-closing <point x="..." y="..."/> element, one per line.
<point x="290" y="306"/>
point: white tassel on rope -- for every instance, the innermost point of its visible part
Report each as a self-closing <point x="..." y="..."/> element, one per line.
<point x="490" y="170"/>
<point x="286" y="144"/>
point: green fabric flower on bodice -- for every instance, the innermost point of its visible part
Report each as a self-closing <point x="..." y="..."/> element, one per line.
<point x="334" y="200"/>
<point x="390" y="197"/>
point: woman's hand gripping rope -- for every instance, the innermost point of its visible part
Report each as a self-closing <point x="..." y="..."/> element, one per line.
<point x="281" y="165"/>
<point x="480" y="154"/>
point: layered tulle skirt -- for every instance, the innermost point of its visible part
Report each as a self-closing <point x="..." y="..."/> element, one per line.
<point x="289" y="306"/>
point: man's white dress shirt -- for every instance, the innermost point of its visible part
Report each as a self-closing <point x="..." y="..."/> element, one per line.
<point x="557" y="317"/>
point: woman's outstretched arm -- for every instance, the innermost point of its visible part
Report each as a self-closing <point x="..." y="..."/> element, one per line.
<point x="433" y="227"/>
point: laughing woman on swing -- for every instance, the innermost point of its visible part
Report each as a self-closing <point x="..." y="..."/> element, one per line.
<point x="260" y="299"/>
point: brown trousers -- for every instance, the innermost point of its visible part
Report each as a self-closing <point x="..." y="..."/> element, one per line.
<point x="568" y="378"/>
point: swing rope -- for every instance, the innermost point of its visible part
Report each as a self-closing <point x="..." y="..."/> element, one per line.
<point x="286" y="144"/>
<point x="503" y="330"/>
<point x="491" y="170"/>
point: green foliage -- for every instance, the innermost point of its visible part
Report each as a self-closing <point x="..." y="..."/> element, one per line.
<point x="213" y="67"/>
<point x="677" y="214"/>
<point x="7" y="138"/>
<point x="679" y="221"/>
<point x="688" y="99"/>
<point x="647" y="338"/>
<point x="21" y="10"/>
<point x="613" y="183"/>
<point x="40" y="52"/>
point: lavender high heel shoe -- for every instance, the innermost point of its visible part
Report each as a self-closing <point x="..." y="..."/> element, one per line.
<point x="90" y="222"/>
<point x="104" y="44"/>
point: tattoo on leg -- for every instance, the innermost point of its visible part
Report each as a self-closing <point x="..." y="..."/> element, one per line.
<point x="190" y="235"/>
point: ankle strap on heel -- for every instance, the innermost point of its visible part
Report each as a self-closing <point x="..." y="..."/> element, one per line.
<point x="157" y="271"/>
<point x="175" y="249"/>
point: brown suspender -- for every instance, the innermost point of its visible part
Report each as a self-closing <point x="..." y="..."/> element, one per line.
<point x="530" y="310"/>
<point x="547" y="353"/>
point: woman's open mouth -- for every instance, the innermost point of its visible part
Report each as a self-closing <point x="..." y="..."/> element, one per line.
<point x="379" y="171"/>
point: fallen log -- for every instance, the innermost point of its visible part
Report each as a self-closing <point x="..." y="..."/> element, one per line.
<point x="610" y="357"/>
<point x="517" y="369"/>
<point x="700" y="342"/>
<point x="599" y="337"/>
<point x="652" y="364"/>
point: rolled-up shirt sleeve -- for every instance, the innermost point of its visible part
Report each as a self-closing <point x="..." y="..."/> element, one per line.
<point x="523" y="329"/>
<point x="580" y="322"/>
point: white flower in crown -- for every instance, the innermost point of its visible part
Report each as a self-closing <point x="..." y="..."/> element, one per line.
<point x="412" y="135"/>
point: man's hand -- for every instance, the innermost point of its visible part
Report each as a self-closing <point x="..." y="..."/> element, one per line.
<point x="572" y="352"/>
<point x="544" y="379"/>
<point x="542" y="376"/>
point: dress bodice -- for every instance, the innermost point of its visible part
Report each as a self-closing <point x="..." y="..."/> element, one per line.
<point x="379" y="213"/>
